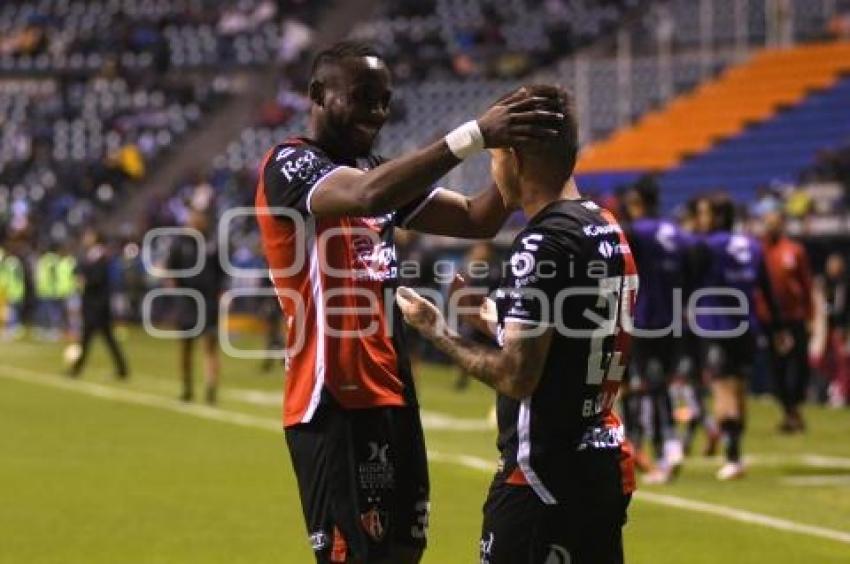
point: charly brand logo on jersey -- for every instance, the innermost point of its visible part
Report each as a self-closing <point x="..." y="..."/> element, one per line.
<point x="375" y="523"/>
<point x="558" y="555"/>
<point x="377" y="473"/>
<point x="319" y="540"/>
<point x="485" y="548"/>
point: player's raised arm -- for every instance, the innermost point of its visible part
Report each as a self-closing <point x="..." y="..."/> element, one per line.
<point x="349" y="191"/>
<point x="452" y="214"/>
<point x="480" y="216"/>
<point x="514" y="370"/>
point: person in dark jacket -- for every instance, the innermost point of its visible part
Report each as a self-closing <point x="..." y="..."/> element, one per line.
<point x="93" y="279"/>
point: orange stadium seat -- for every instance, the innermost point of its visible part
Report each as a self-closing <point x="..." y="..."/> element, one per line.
<point x="742" y="95"/>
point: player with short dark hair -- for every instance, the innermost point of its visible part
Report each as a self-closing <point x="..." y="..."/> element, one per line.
<point x="565" y="478"/>
<point x="731" y="262"/>
<point x="351" y="416"/>
<point x="659" y="252"/>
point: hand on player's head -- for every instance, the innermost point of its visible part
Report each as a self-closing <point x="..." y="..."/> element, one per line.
<point x="550" y="153"/>
<point x="521" y="118"/>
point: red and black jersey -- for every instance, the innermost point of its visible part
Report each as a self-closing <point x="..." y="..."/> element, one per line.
<point x="334" y="277"/>
<point x="570" y="268"/>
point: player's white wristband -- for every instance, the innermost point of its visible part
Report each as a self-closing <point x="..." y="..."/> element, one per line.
<point x="466" y="140"/>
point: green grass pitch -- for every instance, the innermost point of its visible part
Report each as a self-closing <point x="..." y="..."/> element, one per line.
<point x="99" y="471"/>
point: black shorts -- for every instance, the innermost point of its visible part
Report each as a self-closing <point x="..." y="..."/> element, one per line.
<point x="729" y="358"/>
<point x="652" y="360"/>
<point x="192" y="316"/>
<point x="520" y="529"/>
<point x="363" y="480"/>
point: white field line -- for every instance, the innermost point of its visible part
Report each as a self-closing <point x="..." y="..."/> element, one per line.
<point x="138" y="398"/>
<point x="744" y="516"/>
<point x="244" y="420"/>
<point x="431" y="420"/>
<point x="767" y="460"/>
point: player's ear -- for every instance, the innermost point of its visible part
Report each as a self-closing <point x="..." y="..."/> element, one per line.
<point x="316" y="92"/>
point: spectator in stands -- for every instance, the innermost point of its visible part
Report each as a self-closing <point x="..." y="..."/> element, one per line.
<point x="791" y="280"/>
<point x="839" y="26"/>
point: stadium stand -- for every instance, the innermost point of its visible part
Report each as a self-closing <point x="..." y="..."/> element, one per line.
<point x="772" y="151"/>
<point x="93" y="94"/>
<point x="421" y="39"/>
<point x="77" y="35"/>
<point x="746" y="94"/>
<point x="71" y="146"/>
<point x="486" y="38"/>
<point x="444" y="55"/>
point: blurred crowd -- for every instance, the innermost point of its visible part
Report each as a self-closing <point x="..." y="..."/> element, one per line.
<point x="94" y="94"/>
<point x="450" y="38"/>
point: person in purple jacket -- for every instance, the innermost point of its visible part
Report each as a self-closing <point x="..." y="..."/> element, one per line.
<point x="659" y="250"/>
<point x="722" y="313"/>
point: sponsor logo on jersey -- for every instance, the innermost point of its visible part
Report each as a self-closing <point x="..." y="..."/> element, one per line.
<point x="597" y="438"/>
<point x="376" y="262"/>
<point x="594" y="230"/>
<point x="305" y="167"/>
<point x="522" y="264"/>
<point x="377" y="473"/>
<point x="319" y="541"/>
<point x="375" y="522"/>
<point x="608" y="249"/>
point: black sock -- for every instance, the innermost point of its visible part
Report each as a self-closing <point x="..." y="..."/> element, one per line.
<point x="732" y="429"/>
<point x="211" y="395"/>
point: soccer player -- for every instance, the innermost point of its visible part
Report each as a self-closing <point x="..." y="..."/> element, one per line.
<point x="93" y="276"/>
<point x="350" y="411"/>
<point x="659" y="252"/>
<point x="835" y="359"/>
<point x="733" y="263"/>
<point x="208" y="282"/>
<point x="791" y="280"/>
<point x="564" y="481"/>
<point x="689" y="363"/>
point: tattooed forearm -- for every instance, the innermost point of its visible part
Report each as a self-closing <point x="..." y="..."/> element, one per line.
<point x="490" y="366"/>
<point x="513" y="370"/>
